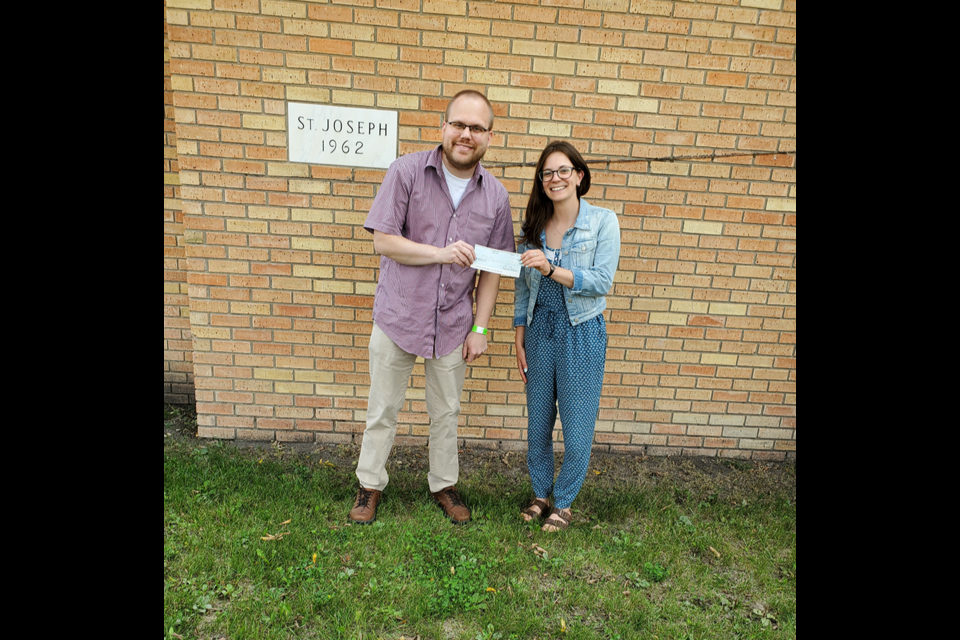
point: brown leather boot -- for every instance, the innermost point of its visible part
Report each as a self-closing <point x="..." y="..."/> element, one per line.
<point x="365" y="506"/>
<point x="449" y="500"/>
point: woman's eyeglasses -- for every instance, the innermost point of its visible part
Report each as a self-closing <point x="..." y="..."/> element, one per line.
<point x="547" y="174"/>
<point x="459" y="126"/>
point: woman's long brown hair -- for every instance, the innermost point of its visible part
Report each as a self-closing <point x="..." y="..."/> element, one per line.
<point x="539" y="206"/>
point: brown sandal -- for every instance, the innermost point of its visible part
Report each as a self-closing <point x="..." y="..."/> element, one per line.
<point x="537" y="502"/>
<point x="557" y="520"/>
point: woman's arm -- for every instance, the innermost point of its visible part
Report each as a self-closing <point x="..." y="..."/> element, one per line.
<point x="521" y="352"/>
<point x="598" y="279"/>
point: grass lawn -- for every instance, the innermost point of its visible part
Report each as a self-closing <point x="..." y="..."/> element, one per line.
<point x="256" y="544"/>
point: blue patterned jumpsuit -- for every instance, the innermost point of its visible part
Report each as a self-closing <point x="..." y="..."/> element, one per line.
<point x="565" y="365"/>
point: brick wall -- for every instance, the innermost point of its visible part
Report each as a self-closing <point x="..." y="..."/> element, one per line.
<point x="177" y="339"/>
<point x="702" y="319"/>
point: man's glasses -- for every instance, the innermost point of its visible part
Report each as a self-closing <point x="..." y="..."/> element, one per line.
<point x="459" y="126"/>
<point x="547" y="174"/>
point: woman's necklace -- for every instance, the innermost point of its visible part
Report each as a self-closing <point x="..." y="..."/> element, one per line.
<point x="557" y="227"/>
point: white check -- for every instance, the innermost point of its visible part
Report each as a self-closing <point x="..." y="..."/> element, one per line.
<point x="505" y="263"/>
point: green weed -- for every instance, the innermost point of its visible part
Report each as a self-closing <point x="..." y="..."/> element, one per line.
<point x="257" y="545"/>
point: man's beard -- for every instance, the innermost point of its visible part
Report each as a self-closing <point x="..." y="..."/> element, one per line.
<point x="471" y="161"/>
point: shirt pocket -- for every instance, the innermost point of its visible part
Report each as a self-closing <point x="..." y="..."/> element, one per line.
<point x="582" y="254"/>
<point x="479" y="227"/>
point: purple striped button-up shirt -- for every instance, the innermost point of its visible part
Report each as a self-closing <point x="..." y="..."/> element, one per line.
<point x="428" y="310"/>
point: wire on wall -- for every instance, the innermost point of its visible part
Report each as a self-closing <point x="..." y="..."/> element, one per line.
<point x="670" y="158"/>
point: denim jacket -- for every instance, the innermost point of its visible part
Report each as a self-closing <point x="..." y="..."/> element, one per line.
<point x="591" y="250"/>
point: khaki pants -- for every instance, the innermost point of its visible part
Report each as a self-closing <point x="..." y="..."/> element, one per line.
<point x="390" y="368"/>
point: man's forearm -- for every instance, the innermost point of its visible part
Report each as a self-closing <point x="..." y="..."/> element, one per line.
<point x="404" y="251"/>
<point x="414" y="254"/>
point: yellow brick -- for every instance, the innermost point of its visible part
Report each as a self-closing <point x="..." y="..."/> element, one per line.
<point x="647" y="182"/>
<point x="618" y="87"/>
<point x="668" y="318"/>
<point x="415" y="394"/>
<point x="189" y="4"/>
<point x="333" y="390"/>
<point x="793" y="191"/>
<point x="272" y="374"/>
<point x="305" y="271"/>
<point x="382" y="51"/>
<point x="647" y="105"/>
<point x="189" y="177"/>
<point x="173" y="287"/>
<point x="618" y="6"/>
<point x="309" y="186"/>
<point x="208" y="52"/>
<point x="211" y="333"/>
<point x="781" y="204"/>
<point x="465" y="59"/>
<point x="313" y="215"/>
<point x="504" y="410"/>
<point x="185" y="116"/>
<point x="275" y="123"/>
<point x="554" y="67"/>
<point x="726" y="420"/>
<point x="305" y="28"/>
<point x="482" y="76"/>
<point x="551" y="129"/>
<point x="631" y="427"/>
<point x="352" y="97"/>
<point x="268" y="213"/>
<point x="181" y="83"/>
<point x="313" y="376"/>
<point x="726" y="359"/>
<point x="396" y="101"/>
<point x="690" y="418"/>
<point x="290" y="170"/>
<point x="649" y="304"/>
<point x="193" y="237"/>
<point x="727" y="309"/>
<point x="333" y="286"/>
<point x="671" y="168"/>
<point x="303" y="388"/>
<point x="501" y="94"/>
<point x="171" y="178"/>
<point x="246" y="226"/>
<point x="349" y="218"/>
<point x="683" y="306"/>
<point x="762" y="4"/>
<point x="285" y="9"/>
<point x="366" y="288"/>
<point x="578" y="52"/>
<point x="308" y="94"/>
<point x="528" y="48"/>
<point x="178" y="17"/>
<point x="697" y="226"/>
<point x="445" y="7"/>
<point x="311" y="244"/>
<point x="352" y="32"/>
<point x="246" y="308"/>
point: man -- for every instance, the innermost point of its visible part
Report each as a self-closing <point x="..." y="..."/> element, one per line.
<point x="431" y="210"/>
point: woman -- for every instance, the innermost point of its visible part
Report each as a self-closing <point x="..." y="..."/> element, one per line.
<point x="570" y="250"/>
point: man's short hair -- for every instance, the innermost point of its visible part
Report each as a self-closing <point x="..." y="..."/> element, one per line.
<point x="471" y="94"/>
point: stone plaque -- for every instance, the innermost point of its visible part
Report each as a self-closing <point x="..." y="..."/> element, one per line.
<point x="342" y="136"/>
